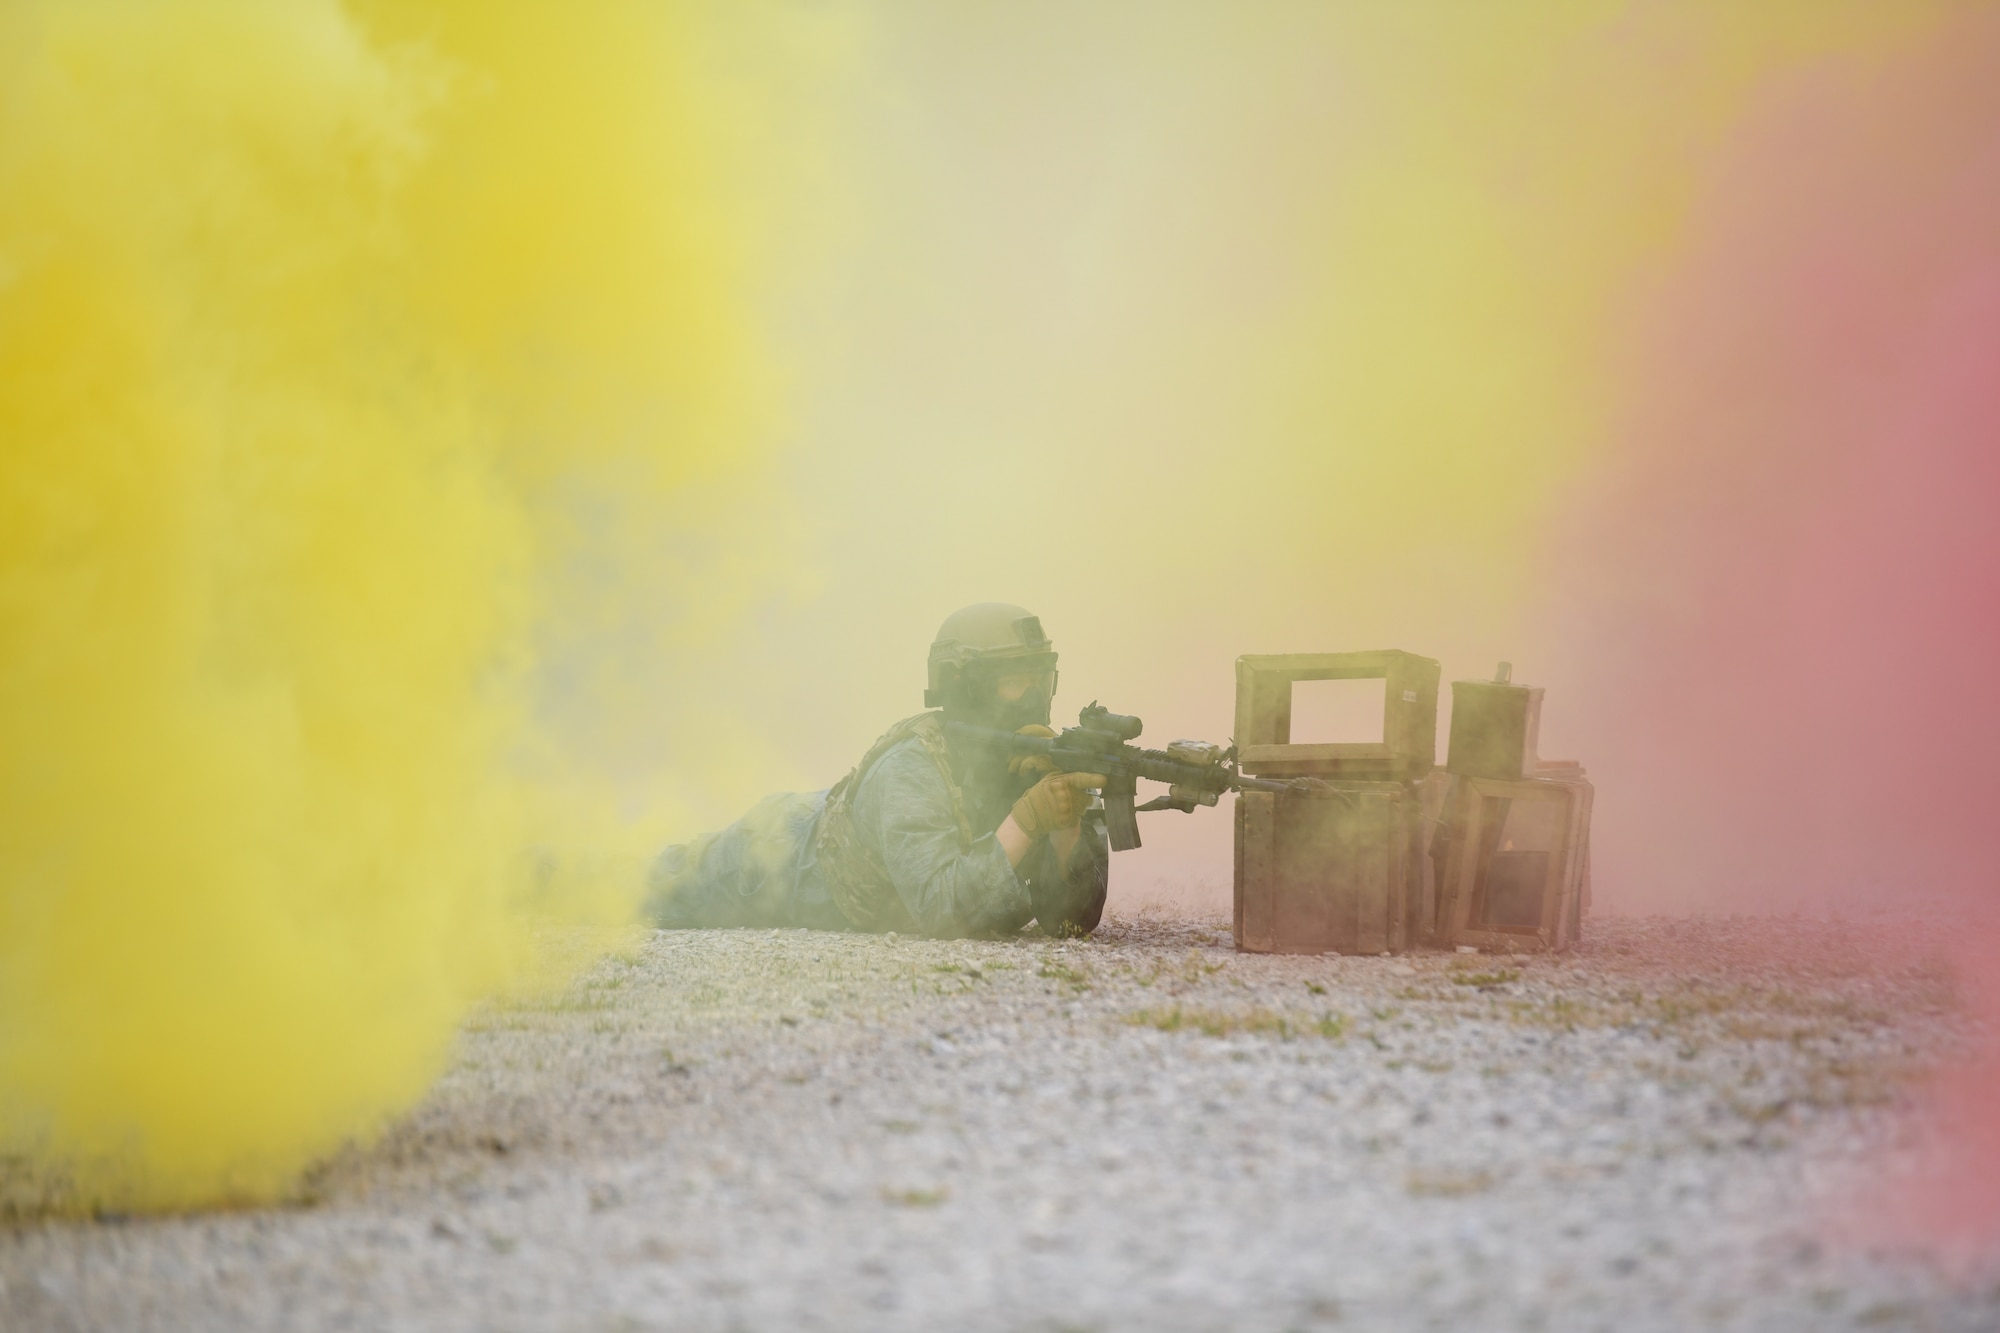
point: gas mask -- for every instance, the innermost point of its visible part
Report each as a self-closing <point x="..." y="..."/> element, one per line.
<point x="1015" y="699"/>
<point x="987" y="775"/>
<point x="1031" y="709"/>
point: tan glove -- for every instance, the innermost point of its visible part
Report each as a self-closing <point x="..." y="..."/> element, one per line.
<point x="1032" y="763"/>
<point x="1054" y="803"/>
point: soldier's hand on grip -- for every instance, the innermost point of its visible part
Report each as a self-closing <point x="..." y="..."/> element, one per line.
<point x="1056" y="802"/>
<point x="1033" y="763"/>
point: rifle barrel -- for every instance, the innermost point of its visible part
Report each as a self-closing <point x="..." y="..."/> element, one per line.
<point x="1155" y="765"/>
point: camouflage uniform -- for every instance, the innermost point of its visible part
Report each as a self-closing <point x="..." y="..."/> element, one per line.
<point x="905" y="842"/>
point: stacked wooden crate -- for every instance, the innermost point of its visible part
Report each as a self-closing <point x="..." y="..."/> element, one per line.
<point x="1513" y="858"/>
<point x="1491" y="853"/>
<point x="1346" y="868"/>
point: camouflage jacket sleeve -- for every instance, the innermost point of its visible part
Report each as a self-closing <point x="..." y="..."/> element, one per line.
<point x="903" y="807"/>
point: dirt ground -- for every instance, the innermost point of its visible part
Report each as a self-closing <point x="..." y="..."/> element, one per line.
<point x="1146" y="1130"/>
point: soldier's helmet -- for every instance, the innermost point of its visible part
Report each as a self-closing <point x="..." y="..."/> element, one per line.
<point x="977" y="645"/>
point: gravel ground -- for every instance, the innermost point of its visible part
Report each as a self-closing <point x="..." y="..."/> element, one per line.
<point x="1146" y="1130"/>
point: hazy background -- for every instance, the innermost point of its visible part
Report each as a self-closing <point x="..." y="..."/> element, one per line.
<point x="437" y="431"/>
<point x="1488" y="335"/>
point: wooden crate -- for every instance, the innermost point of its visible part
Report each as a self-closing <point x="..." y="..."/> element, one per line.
<point x="1427" y="872"/>
<point x="1569" y="770"/>
<point x="1333" y="872"/>
<point x="1516" y="865"/>
<point x="1495" y="726"/>
<point x="1407" y="750"/>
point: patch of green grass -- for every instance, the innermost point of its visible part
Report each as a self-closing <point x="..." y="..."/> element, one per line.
<point x="1496" y="978"/>
<point x="1693" y="1012"/>
<point x="488" y="1022"/>
<point x="1190" y="970"/>
<point x="1210" y="1022"/>
<point x="954" y="979"/>
<point x="568" y="1001"/>
<point x="1076" y="978"/>
<point x="1884" y="1313"/>
<point x="1448" y="1184"/>
<point x="1689" y="1005"/>
<point x="1194" y="967"/>
<point x="1221" y="1023"/>
<point x="916" y="1198"/>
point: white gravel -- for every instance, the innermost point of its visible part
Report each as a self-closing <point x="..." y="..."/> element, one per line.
<point x="761" y="1130"/>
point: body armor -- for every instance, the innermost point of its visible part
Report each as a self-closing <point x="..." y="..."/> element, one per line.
<point x="856" y="879"/>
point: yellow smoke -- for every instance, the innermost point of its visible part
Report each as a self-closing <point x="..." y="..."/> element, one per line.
<point x="324" y="330"/>
<point x="382" y="388"/>
<point x="1161" y="297"/>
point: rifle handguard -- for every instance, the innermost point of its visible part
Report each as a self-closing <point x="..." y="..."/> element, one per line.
<point x="1196" y="772"/>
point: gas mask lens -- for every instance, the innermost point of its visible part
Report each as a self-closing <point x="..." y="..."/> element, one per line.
<point x="1022" y="698"/>
<point x="1017" y="685"/>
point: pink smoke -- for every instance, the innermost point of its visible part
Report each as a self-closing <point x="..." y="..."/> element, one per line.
<point x="1787" y="589"/>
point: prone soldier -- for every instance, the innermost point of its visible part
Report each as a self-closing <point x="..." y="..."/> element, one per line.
<point x="939" y="830"/>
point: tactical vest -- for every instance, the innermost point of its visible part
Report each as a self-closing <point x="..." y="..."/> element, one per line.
<point x="856" y="879"/>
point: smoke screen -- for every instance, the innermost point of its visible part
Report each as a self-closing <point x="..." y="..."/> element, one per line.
<point x="436" y="430"/>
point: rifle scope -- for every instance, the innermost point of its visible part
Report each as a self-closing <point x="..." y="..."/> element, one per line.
<point x="1095" y="717"/>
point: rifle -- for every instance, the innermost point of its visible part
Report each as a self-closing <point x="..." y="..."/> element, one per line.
<point x="1197" y="772"/>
